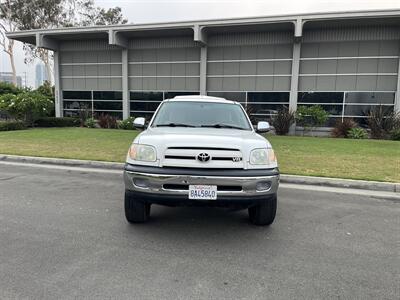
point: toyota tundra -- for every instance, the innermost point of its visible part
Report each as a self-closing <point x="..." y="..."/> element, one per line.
<point x="201" y="151"/>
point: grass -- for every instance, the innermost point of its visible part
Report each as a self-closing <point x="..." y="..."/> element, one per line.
<point x="343" y="158"/>
<point x="77" y="143"/>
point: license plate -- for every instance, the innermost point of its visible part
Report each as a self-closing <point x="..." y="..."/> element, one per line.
<point x="203" y="192"/>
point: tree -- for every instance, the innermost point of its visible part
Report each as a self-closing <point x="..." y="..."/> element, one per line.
<point x="45" y="14"/>
<point x="8" y="25"/>
<point x="90" y="15"/>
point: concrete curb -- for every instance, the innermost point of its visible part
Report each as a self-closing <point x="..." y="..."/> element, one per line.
<point x="292" y="179"/>
<point x="342" y="183"/>
<point x="63" y="162"/>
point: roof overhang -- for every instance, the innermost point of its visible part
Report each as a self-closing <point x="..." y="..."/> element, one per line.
<point x="120" y="34"/>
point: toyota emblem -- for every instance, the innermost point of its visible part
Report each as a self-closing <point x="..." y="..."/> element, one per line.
<point x="203" y="157"/>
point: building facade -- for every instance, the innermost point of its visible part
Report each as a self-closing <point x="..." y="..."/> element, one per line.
<point x="40" y="74"/>
<point x="346" y="62"/>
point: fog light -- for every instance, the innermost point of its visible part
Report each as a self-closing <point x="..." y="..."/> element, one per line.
<point x="263" y="186"/>
<point x="140" y="182"/>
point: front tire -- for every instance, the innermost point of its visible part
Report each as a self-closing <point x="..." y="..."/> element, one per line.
<point x="264" y="212"/>
<point x="136" y="211"/>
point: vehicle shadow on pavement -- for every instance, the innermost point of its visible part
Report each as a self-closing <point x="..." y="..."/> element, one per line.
<point x="183" y="230"/>
<point x="198" y="221"/>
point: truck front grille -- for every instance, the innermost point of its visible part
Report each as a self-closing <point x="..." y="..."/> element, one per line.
<point x="189" y="157"/>
<point x="185" y="187"/>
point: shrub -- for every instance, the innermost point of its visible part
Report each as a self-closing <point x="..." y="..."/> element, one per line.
<point x="46" y="89"/>
<point x="84" y="114"/>
<point x="357" y="133"/>
<point x="311" y="116"/>
<point x="26" y="106"/>
<point x="90" y="123"/>
<point x="341" y="128"/>
<point x="9" y="88"/>
<point x="57" y="122"/>
<point x="12" y="125"/>
<point x="395" y="135"/>
<point x="283" y="120"/>
<point x="381" y="122"/>
<point x="107" y="121"/>
<point x="126" y="124"/>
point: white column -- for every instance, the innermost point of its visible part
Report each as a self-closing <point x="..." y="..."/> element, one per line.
<point x="125" y="85"/>
<point x="203" y="70"/>
<point x="294" y="83"/>
<point x="397" y="99"/>
<point x="57" y="86"/>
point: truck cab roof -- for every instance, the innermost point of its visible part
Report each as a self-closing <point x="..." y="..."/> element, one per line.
<point x="199" y="98"/>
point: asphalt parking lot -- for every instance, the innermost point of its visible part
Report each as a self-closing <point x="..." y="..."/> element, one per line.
<point x="63" y="235"/>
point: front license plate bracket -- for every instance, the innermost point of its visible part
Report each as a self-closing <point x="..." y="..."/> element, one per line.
<point x="203" y="192"/>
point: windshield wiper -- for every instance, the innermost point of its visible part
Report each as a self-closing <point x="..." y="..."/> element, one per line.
<point x="219" y="125"/>
<point x="174" y="125"/>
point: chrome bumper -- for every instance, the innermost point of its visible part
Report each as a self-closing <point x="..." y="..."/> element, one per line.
<point x="173" y="184"/>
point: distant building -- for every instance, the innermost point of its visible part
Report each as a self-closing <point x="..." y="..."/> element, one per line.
<point x="8" y="77"/>
<point x="41" y="75"/>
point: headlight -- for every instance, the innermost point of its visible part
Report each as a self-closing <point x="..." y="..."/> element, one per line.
<point x="262" y="156"/>
<point x="142" y="152"/>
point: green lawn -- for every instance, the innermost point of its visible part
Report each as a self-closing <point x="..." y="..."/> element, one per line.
<point x="355" y="159"/>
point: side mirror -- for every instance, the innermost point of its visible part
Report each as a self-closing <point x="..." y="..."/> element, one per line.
<point x="139" y="123"/>
<point x="263" y="127"/>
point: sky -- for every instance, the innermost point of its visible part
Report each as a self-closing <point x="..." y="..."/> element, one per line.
<point x="149" y="11"/>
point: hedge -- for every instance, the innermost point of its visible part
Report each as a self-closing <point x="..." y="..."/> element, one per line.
<point x="12" y="125"/>
<point x="57" y="122"/>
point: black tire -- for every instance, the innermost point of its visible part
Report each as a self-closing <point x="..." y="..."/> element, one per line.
<point x="264" y="213"/>
<point x="136" y="211"/>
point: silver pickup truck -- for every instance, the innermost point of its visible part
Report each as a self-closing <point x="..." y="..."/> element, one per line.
<point x="201" y="151"/>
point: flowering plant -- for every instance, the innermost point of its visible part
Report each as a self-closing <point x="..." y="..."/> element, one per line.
<point x="26" y="106"/>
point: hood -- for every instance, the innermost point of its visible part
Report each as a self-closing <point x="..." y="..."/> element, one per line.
<point x="173" y="143"/>
<point x="202" y="137"/>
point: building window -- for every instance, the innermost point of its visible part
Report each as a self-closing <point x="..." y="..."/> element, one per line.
<point x="268" y="97"/>
<point x="144" y="104"/>
<point x="262" y="106"/>
<point x="320" y="98"/>
<point x="358" y="104"/>
<point x="332" y="102"/>
<point x="142" y="96"/>
<point x="77" y="95"/>
<point x="150" y="106"/>
<point x="77" y="104"/>
<point x="97" y="102"/>
<point x="106" y="105"/>
<point x="107" y="95"/>
<point x="370" y="98"/>
<point x="347" y="104"/>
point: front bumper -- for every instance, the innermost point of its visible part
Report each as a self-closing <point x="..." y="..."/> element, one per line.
<point x="232" y="184"/>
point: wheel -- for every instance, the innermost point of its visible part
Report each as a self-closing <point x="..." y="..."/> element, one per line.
<point x="136" y="211"/>
<point x="263" y="213"/>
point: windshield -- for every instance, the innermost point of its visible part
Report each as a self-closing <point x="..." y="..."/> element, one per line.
<point x="201" y="114"/>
